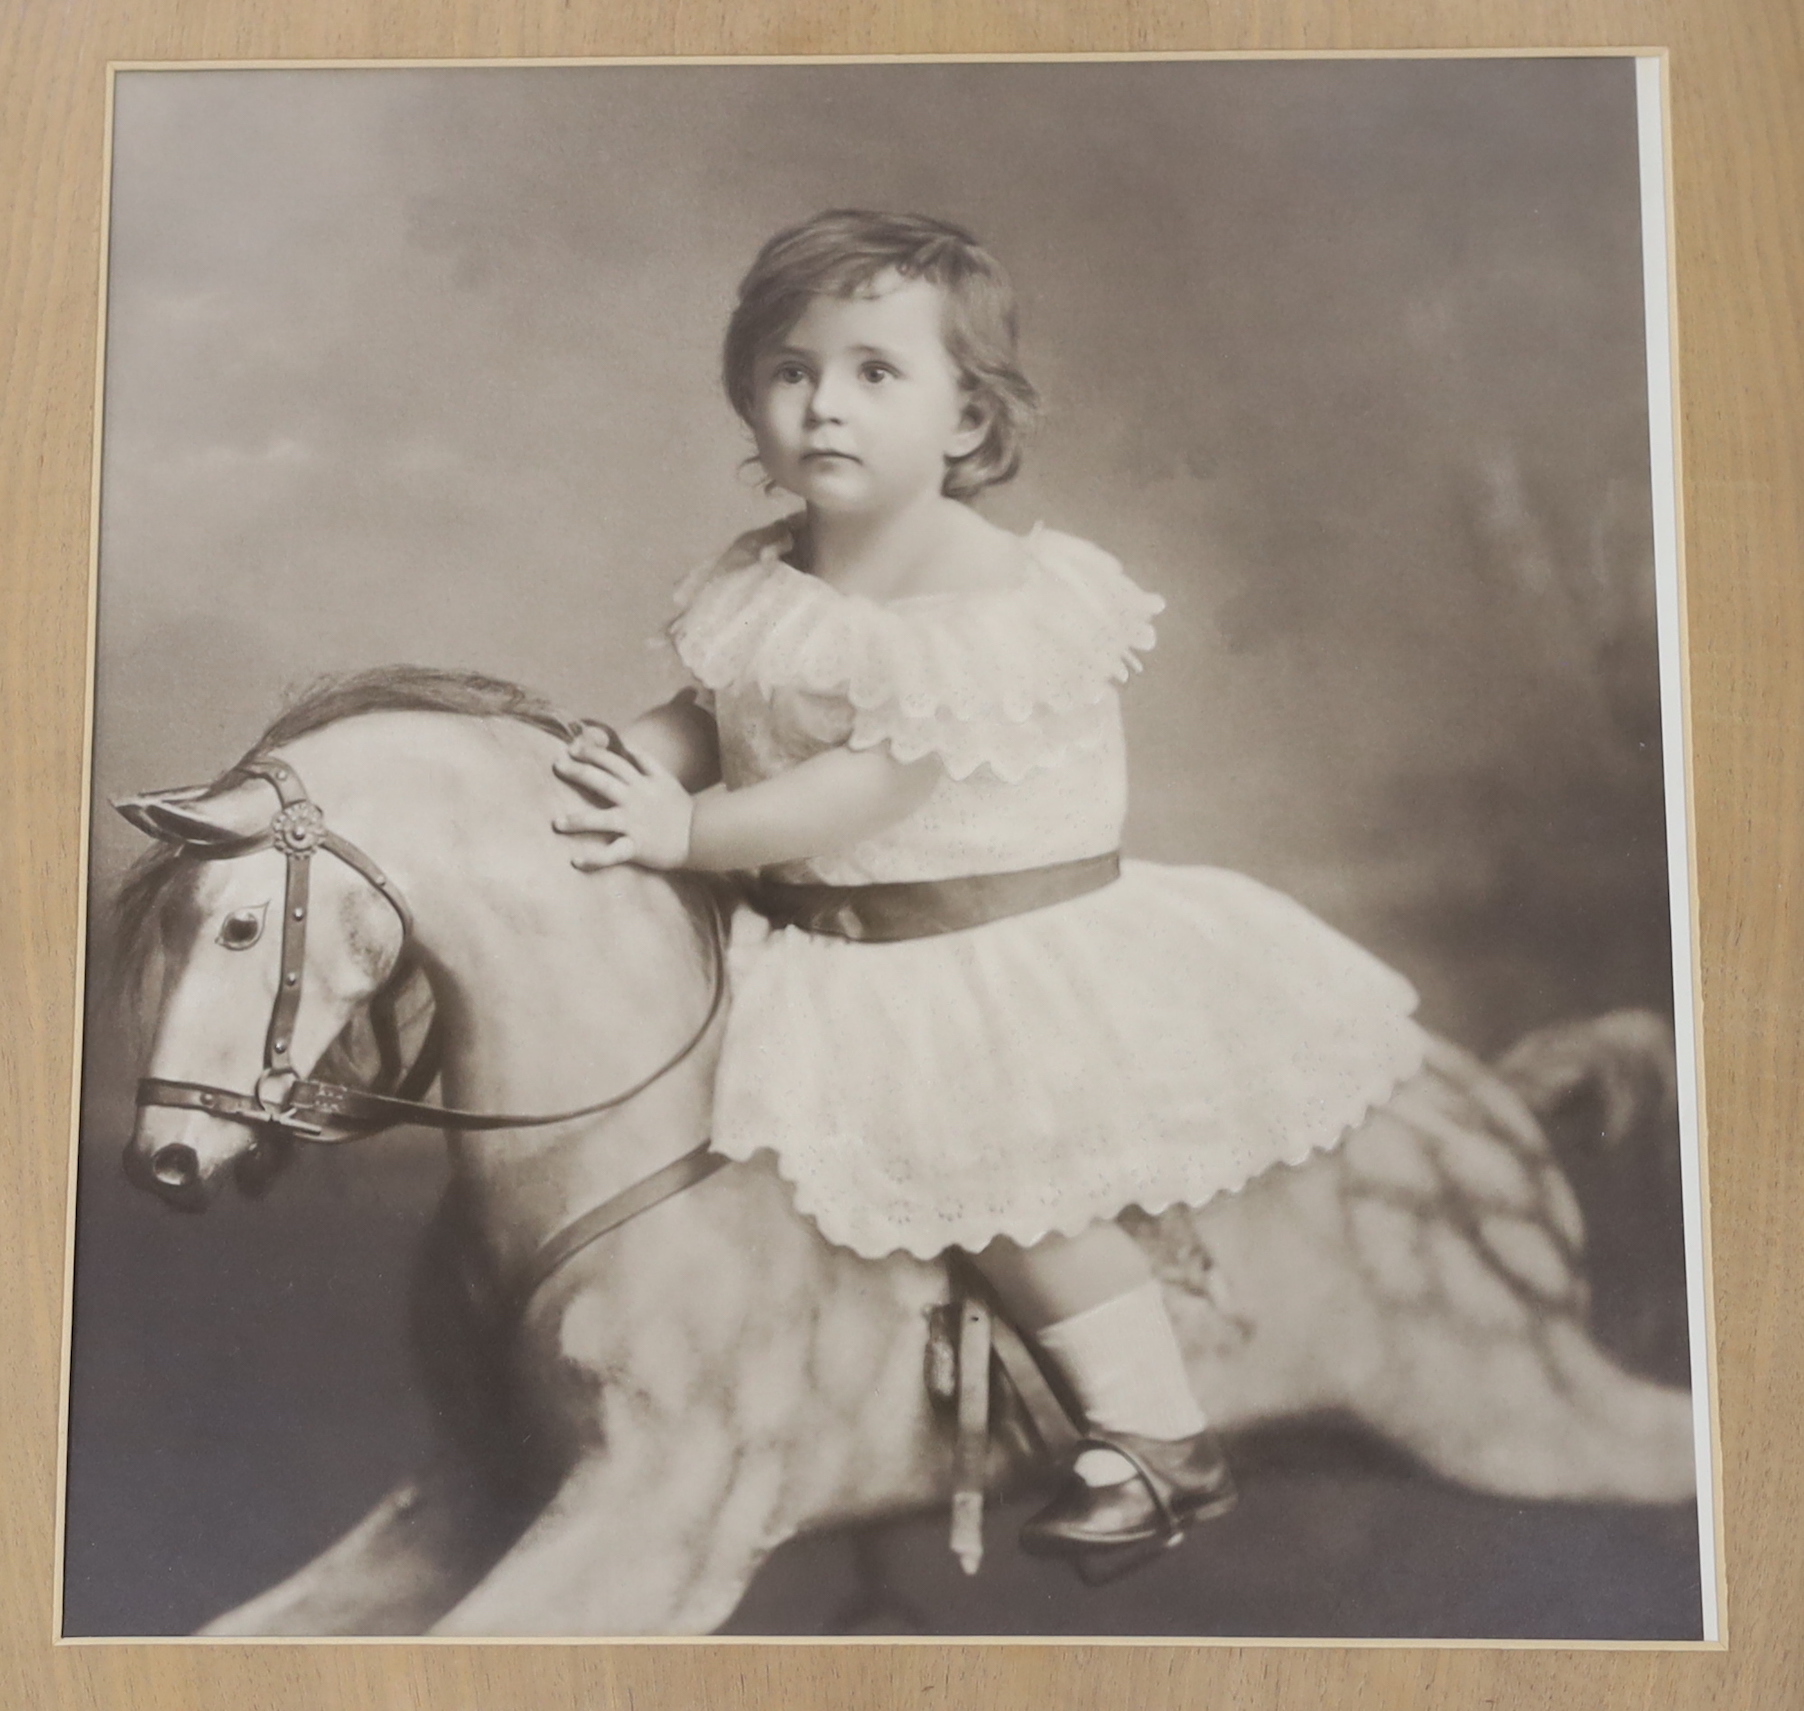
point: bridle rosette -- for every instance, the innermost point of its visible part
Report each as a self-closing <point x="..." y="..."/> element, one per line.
<point x="299" y="828"/>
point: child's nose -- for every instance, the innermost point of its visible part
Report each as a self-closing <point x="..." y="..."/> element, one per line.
<point x="826" y="401"/>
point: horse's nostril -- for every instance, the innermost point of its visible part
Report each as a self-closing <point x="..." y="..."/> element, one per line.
<point x="175" y="1166"/>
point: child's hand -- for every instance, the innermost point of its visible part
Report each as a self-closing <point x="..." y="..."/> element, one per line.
<point x="648" y="811"/>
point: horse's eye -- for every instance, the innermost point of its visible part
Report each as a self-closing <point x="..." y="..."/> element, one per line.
<point x="243" y="928"/>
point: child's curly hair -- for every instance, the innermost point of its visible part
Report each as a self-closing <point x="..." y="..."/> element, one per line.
<point x="840" y="254"/>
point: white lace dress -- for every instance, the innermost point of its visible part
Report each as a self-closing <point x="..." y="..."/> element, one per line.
<point x="1161" y="1040"/>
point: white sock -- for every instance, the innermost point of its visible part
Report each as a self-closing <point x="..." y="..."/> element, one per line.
<point x="1122" y="1361"/>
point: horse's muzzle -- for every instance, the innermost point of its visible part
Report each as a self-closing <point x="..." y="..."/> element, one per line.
<point x="172" y="1172"/>
<point x="175" y="1167"/>
<point x="184" y="1173"/>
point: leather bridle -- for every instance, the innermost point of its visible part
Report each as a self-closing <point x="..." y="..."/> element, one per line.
<point x="324" y="1111"/>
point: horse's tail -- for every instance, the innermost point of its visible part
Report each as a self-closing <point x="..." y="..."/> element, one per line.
<point x="1624" y="1061"/>
<point x="1605" y="1088"/>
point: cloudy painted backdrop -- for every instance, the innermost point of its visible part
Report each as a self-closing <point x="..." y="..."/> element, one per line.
<point x="1346" y="360"/>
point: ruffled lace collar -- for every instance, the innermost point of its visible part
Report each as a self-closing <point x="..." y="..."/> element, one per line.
<point x="1073" y="625"/>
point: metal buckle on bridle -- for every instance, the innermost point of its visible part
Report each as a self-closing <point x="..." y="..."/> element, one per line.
<point x="278" y="1106"/>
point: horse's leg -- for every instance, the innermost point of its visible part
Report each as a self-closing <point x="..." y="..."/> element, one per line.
<point x="662" y="1539"/>
<point x="396" y="1572"/>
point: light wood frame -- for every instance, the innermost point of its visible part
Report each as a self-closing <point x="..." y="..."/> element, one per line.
<point x="1739" y="149"/>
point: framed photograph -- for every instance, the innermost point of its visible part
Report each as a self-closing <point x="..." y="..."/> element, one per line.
<point x="1115" y="1057"/>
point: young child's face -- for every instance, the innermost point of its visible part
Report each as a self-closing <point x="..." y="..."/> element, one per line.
<point x="857" y="408"/>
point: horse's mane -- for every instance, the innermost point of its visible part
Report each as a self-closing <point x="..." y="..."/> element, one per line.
<point x="409" y="689"/>
<point x="164" y="869"/>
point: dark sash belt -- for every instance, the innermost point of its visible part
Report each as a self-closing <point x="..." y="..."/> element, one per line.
<point x="922" y="908"/>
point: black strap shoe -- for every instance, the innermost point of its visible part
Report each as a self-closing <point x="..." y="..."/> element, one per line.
<point x="1175" y="1481"/>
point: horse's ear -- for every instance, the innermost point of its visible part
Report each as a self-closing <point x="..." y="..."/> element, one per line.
<point x="201" y="814"/>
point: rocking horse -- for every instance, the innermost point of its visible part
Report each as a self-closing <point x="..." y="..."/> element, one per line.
<point x="653" y="1371"/>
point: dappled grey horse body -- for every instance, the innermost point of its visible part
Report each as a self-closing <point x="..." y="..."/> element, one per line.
<point x="711" y="1378"/>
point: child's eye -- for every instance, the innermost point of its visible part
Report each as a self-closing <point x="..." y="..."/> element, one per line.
<point x="789" y="374"/>
<point x="877" y="372"/>
<point x="242" y="928"/>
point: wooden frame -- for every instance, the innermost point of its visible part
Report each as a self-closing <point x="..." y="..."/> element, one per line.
<point x="1742" y="361"/>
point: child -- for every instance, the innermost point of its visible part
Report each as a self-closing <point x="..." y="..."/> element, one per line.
<point x="964" y="1022"/>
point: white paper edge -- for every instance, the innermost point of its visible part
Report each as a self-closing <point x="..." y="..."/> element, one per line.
<point x="1663" y="467"/>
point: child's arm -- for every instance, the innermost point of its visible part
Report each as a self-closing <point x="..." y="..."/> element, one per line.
<point x="682" y="737"/>
<point x="832" y="800"/>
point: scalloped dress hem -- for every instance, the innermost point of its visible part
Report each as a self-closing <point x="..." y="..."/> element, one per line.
<point x="1159" y="1042"/>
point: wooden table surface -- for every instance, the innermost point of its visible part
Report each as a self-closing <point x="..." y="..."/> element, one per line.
<point x="1738" y="125"/>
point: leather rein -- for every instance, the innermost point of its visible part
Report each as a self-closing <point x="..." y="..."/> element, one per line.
<point x="328" y="1112"/>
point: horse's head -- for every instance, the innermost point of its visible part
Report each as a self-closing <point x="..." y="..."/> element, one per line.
<point x="217" y="909"/>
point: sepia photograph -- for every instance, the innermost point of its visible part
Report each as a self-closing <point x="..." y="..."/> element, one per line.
<point x="889" y="849"/>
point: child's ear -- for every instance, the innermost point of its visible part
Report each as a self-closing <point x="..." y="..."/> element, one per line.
<point x="973" y="426"/>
